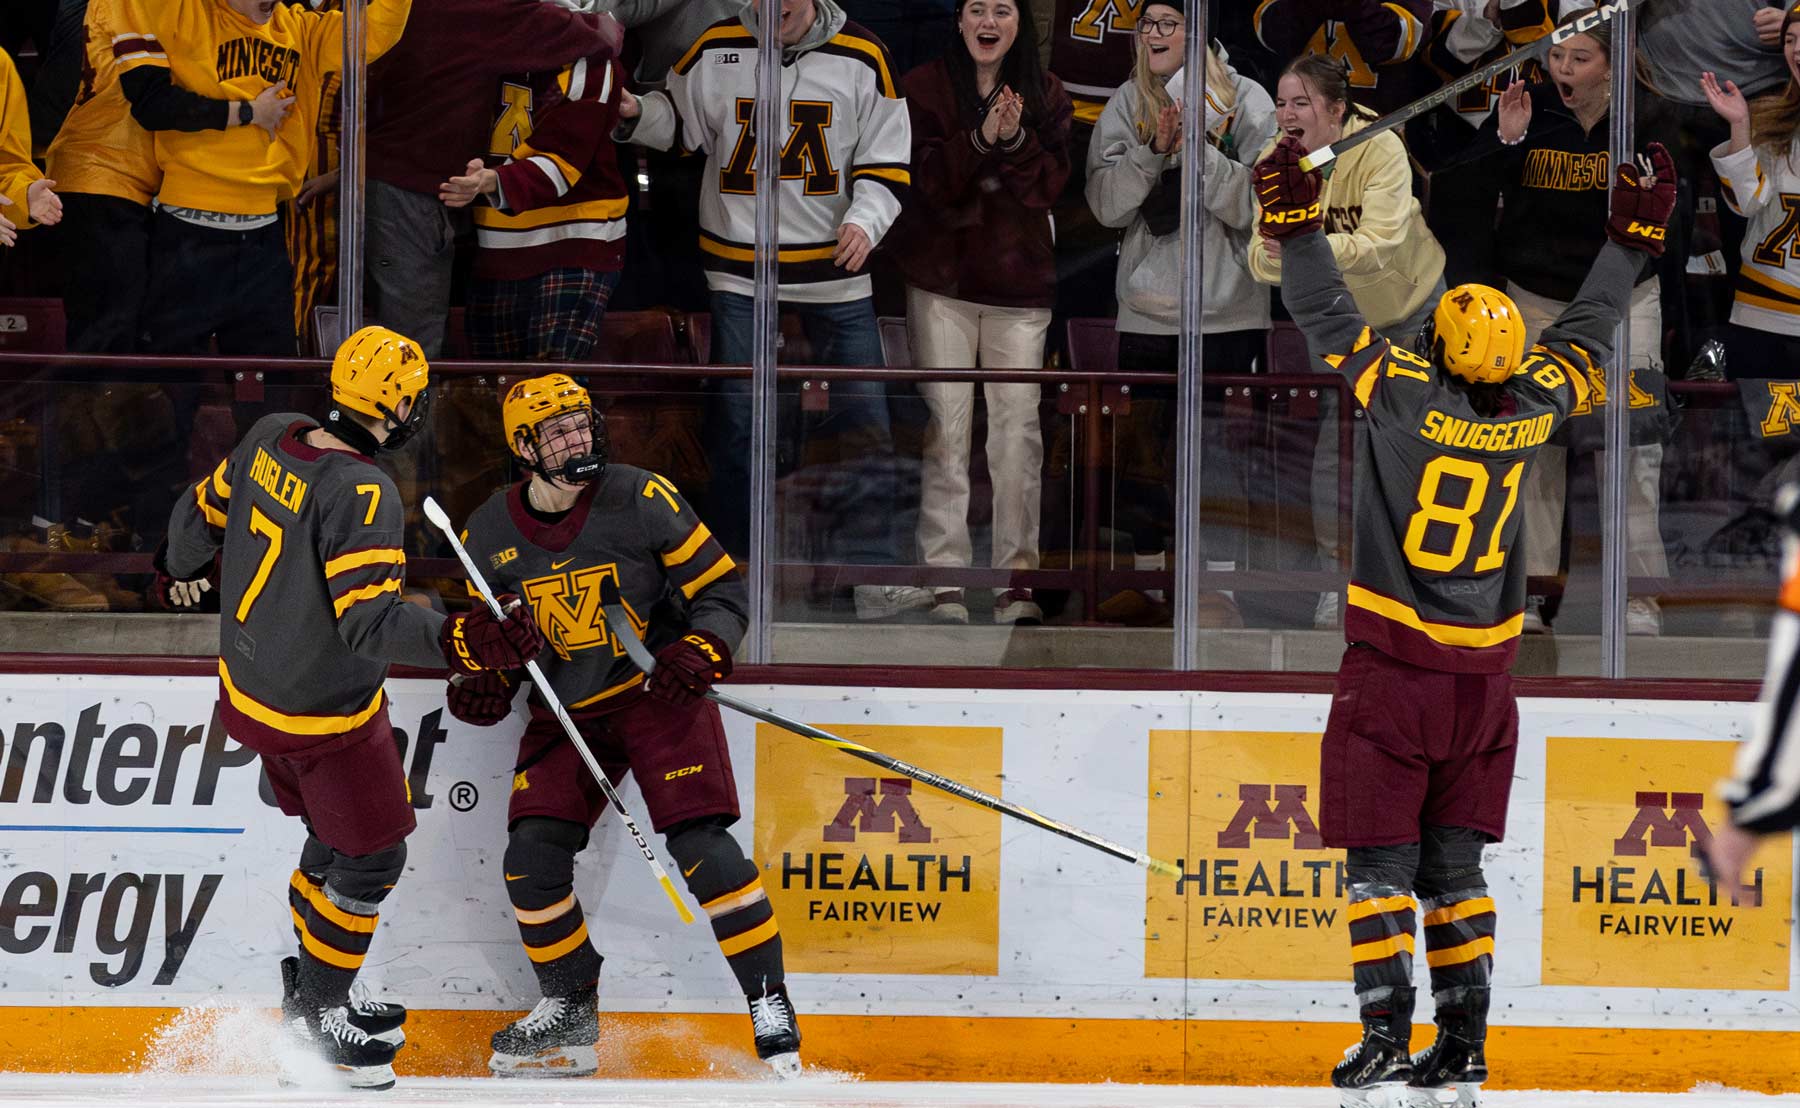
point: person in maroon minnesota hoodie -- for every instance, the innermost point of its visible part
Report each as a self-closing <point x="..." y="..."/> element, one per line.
<point x="990" y="156"/>
<point x="432" y="100"/>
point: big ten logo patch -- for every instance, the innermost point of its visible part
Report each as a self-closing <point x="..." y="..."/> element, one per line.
<point x="1626" y="901"/>
<point x="871" y="872"/>
<point x="1260" y="897"/>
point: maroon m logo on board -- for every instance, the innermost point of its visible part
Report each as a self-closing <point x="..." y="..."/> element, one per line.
<point x="1287" y="814"/>
<point x="878" y="814"/>
<point x="1665" y="819"/>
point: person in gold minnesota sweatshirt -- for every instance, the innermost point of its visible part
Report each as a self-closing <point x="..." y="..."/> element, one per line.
<point x="230" y="89"/>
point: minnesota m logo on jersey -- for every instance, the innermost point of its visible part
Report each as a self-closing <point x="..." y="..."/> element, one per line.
<point x="567" y="606"/>
<point x="1784" y="409"/>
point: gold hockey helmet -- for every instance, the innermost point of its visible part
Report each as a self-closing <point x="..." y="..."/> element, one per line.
<point x="1476" y="333"/>
<point x="375" y="369"/>
<point x="533" y="402"/>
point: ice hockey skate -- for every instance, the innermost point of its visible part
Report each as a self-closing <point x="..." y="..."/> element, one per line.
<point x="555" y="1040"/>
<point x="777" y="1032"/>
<point x="379" y="1020"/>
<point x="1375" y="1071"/>
<point x="1449" y="1072"/>
<point x="364" y="1061"/>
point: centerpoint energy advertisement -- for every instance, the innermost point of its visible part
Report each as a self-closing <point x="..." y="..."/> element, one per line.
<point x="144" y="870"/>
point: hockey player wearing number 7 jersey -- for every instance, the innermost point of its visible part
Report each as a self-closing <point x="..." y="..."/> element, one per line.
<point x="576" y="521"/>
<point x="310" y="616"/>
<point x="1417" y="758"/>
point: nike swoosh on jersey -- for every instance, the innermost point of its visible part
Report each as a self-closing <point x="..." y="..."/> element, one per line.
<point x="559" y="565"/>
<point x="517" y="876"/>
<point x="690" y="872"/>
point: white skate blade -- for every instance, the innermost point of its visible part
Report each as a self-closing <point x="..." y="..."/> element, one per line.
<point x="1388" y="1094"/>
<point x="562" y="1061"/>
<point x="372" y="1078"/>
<point x="1465" y="1095"/>
<point x="786" y="1066"/>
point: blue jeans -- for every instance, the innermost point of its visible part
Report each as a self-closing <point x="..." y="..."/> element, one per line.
<point x="853" y="498"/>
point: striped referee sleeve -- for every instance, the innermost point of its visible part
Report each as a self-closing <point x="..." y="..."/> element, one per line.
<point x="1764" y="789"/>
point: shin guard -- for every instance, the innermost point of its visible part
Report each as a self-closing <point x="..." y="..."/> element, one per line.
<point x="540" y="882"/>
<point x="730" y="891"/>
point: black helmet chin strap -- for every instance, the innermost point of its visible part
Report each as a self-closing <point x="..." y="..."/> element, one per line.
<point x="344" y="425"/>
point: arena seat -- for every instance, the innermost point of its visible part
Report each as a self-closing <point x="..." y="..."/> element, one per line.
<point x="896" y="344"/>
<point x="33" y="325"/>
<point x="1093" y="345"/>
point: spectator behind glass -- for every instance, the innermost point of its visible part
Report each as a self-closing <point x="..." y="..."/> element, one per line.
<point x="1376" y="42"/>
<point x="1390" y="261"/>
<point x="532" y="296"/>
<point x="310" y="220"/>
<point x="1677" y="40"/>
<point x="990" y="155"/>
<point x="1091" y="47"/>
<point x="106" y="165"/>
<point x="1553" y="171"/>
<point x="1465" y="37"/>
<point x="1134" y="182"/>
<point x="1759" y="171"/>
<point x="852" y="139"/>
<point x="431" y="105"/>
<point x="26" y="196"/>
<point x="200" y="72"/>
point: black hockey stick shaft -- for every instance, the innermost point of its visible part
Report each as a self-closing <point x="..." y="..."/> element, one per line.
<point x="620" y="622"/>
<point x="1399" y="117"/>
<point x="441" y="520"/>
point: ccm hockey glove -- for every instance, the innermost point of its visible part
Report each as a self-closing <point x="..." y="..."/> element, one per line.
<point x="1288" y="194"/>
<point x="482" y="699"/>
<point x="686" y="668"/>
<point x="1641" y="204"/>
<point x="473" y="641"/>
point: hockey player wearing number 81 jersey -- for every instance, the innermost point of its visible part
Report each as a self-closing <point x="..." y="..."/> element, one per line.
<point x="577" y="520"/>
<point x="1417" y="758"/>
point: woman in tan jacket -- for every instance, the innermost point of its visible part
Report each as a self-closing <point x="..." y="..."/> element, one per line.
<point x="1391" y="264"/>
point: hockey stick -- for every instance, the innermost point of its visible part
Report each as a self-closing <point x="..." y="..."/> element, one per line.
<point x="620" y="622"/>
<point x="1597" y="16"/>
<point x="436" y="515"/>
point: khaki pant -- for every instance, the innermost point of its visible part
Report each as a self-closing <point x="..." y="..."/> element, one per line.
<point x="1545" y="495"/>
<point x="957" y="334"/>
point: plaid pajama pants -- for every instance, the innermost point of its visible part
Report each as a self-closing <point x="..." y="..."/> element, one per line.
<point x="553" y="317"/>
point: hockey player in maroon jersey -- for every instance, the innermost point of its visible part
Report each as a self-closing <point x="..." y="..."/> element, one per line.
<point x="310" y="616"/>
<point x="576" y="520"/>
<point x="1417" y="758"/>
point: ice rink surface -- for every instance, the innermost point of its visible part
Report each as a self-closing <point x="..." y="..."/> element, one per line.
<point x="819" y="1091"/>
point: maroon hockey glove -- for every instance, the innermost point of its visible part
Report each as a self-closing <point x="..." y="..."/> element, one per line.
<point x="1641" y="205"/>
<point x="179" y="594"/>
<point x="1288" y="194"/>
<point x="475" y="640"/>
<point x="685" y="669"/>
<point x="482" y="699"/>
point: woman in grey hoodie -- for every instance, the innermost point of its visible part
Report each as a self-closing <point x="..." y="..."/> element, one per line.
<point x="1134" y="182"/>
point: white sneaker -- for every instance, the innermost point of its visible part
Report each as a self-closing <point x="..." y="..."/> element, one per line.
<point x="1643" y="616"/>
<point x="1533" y="621"/>
<point x="1325" y="616"/>
<point x="884" y="601"/>
<point x="1016" y="606"/>
<point x="948" y="607"/>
